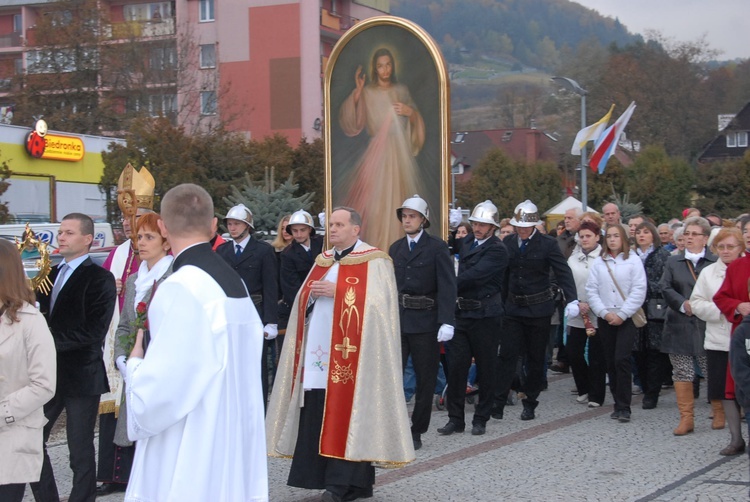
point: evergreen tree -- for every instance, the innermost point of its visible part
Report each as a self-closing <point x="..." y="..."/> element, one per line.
<point x="268" y="204"/>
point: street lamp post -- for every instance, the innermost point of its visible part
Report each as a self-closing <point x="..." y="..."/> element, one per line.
<point x="581" y="92"/>
<point x="456" y="166"/>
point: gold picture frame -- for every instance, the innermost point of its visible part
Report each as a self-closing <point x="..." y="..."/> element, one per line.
<point x="378" y="151"/>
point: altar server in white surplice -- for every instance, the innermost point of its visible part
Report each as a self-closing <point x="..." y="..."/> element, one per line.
<point x="194" y="400"/>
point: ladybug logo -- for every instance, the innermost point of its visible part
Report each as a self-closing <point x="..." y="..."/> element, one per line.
<point x="35" y="145"/>
<point x="35" y="142"/>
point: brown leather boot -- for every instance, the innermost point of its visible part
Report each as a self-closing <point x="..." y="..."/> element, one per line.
<point x="718" y="409"/>
<point x="685" y="400"/>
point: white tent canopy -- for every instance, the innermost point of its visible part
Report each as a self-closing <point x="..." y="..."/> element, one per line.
<point x="569" y="203"/>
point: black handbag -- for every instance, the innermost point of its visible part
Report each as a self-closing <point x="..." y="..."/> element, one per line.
<point x="656" y="309"/>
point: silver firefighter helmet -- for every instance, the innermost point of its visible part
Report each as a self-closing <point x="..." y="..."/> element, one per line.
<point x="418" y="204"/>
<point x="300" y="217"/>
<point x="485" y="212"/>
<point x="242" y="213"/>
<point x="525" y="215"/>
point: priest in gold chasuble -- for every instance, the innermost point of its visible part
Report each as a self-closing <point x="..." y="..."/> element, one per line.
<point x="337" y="404"/>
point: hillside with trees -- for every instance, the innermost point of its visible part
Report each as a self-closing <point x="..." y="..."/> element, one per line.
<point x="531" y="32"/>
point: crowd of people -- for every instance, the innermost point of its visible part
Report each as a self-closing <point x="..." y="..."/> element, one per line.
<point x="201" y="355"/>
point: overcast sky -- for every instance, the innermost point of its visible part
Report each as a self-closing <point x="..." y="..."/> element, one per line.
<point x="726" y="23"/>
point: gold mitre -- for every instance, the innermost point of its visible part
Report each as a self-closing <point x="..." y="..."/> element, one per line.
<point x="140" y="184"/>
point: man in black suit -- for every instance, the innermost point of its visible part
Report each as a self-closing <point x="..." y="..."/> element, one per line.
<point x="479" y="311"/>
<point x="254" y="260"/>
<point x="298" y="258"/>
<point x="78" y="311"/>
<point x="529" y="305"/>
<point x="426" y="284"/>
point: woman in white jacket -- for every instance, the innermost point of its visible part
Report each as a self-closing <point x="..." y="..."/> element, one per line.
<point x="617" y="270"/>
<point x="590" y="377"/>
<point x="728" y="247"/>
<point x="28" y="376"/>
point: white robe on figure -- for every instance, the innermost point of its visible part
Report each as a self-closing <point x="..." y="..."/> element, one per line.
<point x="195" y="402"/>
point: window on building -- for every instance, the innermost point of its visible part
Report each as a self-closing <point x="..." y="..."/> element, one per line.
<point x="163" y="58"/>
<point x="59" y="18"/>
<point x="206" y="10"/>
<point x="208" y="103"/>
<point x="731" y="140"/>
<point x="162" y="105"/>
<point x="208" y="56"/>
<point x="742" y="139"/>
<point x="154" y="11"/>
<point x="17" y="25"/>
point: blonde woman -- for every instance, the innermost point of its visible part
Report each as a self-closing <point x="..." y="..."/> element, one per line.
<point x="283" y="239"/>
<point x="728" y="246"/>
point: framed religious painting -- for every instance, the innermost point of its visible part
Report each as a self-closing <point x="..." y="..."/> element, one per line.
<point x="387" y="126"/>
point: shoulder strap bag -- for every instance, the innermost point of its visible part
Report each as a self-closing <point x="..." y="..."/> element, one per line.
<point x="639" y="318"/>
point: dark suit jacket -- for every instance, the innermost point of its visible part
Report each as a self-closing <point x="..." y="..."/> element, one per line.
<point x="295" y="265"/>
<point x="79" y="324"/>
<point x="529" y="274"/>
<point x="425" y="271"/>
<point x="480" y="277"/>
<point x="257" y="268"/>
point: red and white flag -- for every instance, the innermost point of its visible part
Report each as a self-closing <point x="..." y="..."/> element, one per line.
<point x="607" y="143"/>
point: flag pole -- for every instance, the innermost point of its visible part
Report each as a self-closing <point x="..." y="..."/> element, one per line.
<point x="575" y="86"/>
<point x="584" y="170"/>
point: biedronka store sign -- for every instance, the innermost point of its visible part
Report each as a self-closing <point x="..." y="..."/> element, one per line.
<point x="41" y="145"/>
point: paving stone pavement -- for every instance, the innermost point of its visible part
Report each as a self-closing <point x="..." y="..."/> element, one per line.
<point x="568" y="453"/>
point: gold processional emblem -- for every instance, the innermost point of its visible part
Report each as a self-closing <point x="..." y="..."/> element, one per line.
<point x="36" y="260"/>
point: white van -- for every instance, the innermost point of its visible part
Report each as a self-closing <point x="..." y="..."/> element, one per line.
<point x="47" y="232"/>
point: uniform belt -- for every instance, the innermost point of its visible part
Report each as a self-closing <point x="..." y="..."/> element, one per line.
<point x="257" y="299"/>
<point x="468" y="304"/>
<point x="535" y="299"/>
<point x="414" y="302"/>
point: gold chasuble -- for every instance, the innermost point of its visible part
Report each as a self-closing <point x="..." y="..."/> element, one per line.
<point x="365" y="416"/>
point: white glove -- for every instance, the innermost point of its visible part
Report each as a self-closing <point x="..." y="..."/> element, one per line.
<point x="322" y="218"/>
<point x="121" y="365"/>
<point x="445" y="333"/>
<point x="572" y="310"/>
<point x="455" y="217"/>
<point x="271" y="331"/>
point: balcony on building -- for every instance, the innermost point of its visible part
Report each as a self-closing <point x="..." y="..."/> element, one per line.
<point x="333" y="25"/>
<point x="141" y="29"/>
<point x="11" y="40"/>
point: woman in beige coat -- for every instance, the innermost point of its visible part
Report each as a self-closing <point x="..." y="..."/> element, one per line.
<point x="28" y="375"/>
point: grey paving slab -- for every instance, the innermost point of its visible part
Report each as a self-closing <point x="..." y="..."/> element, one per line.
<point x="569" y="453"/>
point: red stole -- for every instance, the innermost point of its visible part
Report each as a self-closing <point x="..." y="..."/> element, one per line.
<point x="348" y="313"/>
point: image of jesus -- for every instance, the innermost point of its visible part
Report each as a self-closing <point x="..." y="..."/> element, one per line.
<point x="387" y="172"/>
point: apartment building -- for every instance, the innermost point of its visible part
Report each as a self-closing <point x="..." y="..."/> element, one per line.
<point x="255" y="65"/>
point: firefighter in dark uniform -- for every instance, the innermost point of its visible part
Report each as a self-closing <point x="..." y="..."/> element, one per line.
<point x="426" y="284"/>
<point x="255" y="262"/>
<point x="529" y="304"/>
<point x="298" y="258"/>
<point x="479" y="311"/>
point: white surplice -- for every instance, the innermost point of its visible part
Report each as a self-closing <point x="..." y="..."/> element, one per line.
<point x="195" y="402"/>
